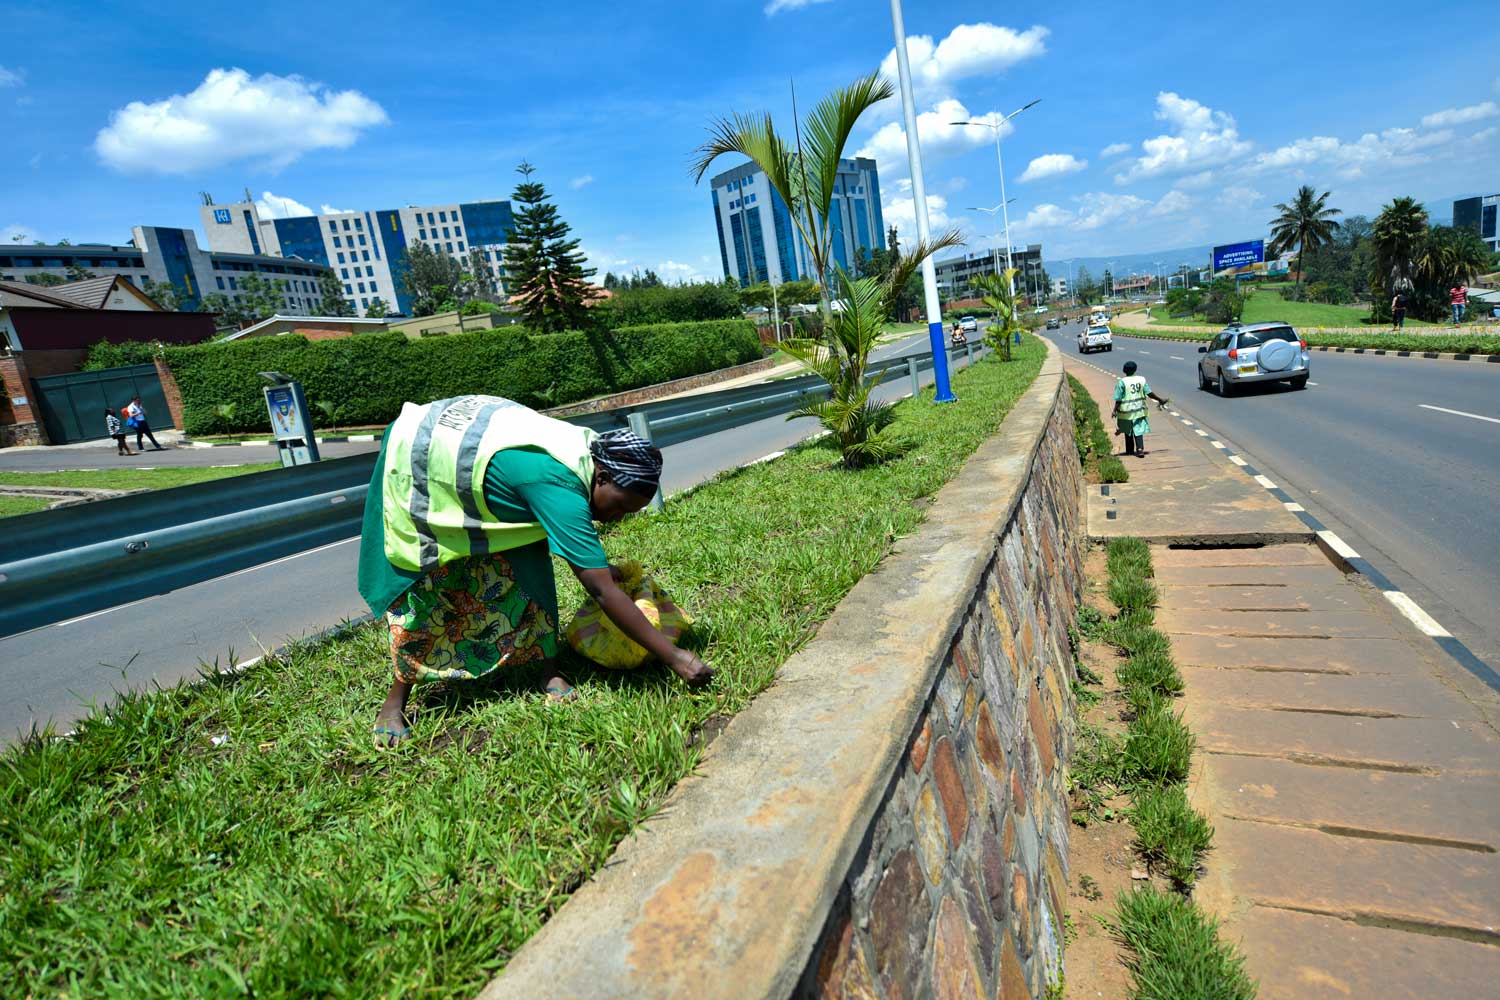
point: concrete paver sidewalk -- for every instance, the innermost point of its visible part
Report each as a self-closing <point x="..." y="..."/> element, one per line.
<point x="1350" y="769"/>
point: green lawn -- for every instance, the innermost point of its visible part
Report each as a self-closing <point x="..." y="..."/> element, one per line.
<point x="1266" y="304"/>
<point x="131" y="479"/>
<point x="243" y="837"/>
<point x="12" y="506"/>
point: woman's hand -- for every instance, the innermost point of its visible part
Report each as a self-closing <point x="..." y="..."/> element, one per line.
<point x="690" y="668"/>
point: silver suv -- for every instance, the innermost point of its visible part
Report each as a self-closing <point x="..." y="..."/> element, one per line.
<point x="1253" y="352"/>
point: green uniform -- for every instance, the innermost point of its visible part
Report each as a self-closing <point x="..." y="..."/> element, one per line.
<point x="1131" y="392"/>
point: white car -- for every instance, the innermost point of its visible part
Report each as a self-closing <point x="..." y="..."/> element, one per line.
<point x="969" y="324"/>
<point x="1096" y="337"/>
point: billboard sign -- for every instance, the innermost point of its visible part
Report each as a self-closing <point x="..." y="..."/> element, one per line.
<point x="221" y="216"/>
<point x="1232" y="256"/>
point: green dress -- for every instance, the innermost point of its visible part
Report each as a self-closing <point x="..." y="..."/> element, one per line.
<point x="472" y="616"/>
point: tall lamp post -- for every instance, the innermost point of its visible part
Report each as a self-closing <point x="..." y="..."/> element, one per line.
<point x="996" y="127"/>
<point x="943" y="394"/>
<point x="994" y="221"/>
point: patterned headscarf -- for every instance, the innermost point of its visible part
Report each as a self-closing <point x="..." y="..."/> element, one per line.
<point x="631" y="462"/>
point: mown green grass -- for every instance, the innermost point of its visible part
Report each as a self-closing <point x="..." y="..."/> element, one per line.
<point x="243" y="836"/>
<point x="1445" y="343"/>
<point x="1265" y="305"/>
<point x="1177" y="952"/>
<point x="1171" y="833"/>
<point x="12" y="506"/>
<point x="132" y="479"/>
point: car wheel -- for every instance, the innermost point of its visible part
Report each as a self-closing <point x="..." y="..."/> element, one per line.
<point x="1202" y="382"/>
<point x="1223" y="385"/>
<point x="1300" y="382"/>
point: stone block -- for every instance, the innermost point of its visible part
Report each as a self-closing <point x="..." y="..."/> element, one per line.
<point x="993" y="864"/>
<point x="898" y="926"/>
<point x="951" y="789"/>
<point x="987" y="744"/>
<point x="920" y="744"/>
<point x="842" y="972"/>
<point x="955" y="974"/>
<point x="1041" y="732"/>
<point x="932" y="835"/>
<point x="1013" y="984"/>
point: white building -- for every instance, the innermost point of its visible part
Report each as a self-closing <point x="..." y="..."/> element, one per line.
<point x="1059" y="287"/>
<point x="366" y="249"/>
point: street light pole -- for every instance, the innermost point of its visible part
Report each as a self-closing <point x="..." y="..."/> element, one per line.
<point x="943" y="394"/>
<point x="994" y="221"/>
<point x="1000" y="162"/>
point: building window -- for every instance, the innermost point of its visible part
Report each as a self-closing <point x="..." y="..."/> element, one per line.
<point x="343" y="272"/>
<point x="361" y="239"/>
<point x="333" y="225"/>
<point x="361" y="286"/>
<point x="346" y="225"/>
<point x="457" y="232"/>
<point x="336" y="242"/>
<point x="341" y="256"/>
<point x="443" y="217"/>
<point x="422" y="234"/>
<point x="430" y="220"/>
<point x="348" y="289"/>
<point x="232" y="285"/>
<point x="221" y="283"/>
<point x="460" y="246"/>
<point x="445" y="232"/>
<point x="359" y="224"/>
<point x="450" y="247"/>
<point x="369" y="272"/>
<point x="366" y="254"/>
<point x="364" y="303"/>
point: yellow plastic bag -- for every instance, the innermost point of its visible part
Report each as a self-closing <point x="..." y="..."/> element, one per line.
<point x="593" y="635"/>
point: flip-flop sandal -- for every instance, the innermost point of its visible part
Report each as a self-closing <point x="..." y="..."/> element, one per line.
<point x="394" y="737"/>
<point x="560" y="693"/>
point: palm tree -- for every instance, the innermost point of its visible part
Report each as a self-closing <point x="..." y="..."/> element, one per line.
<point x="804" y="176"/>
<point x="1399" y="233"/>
<point x="842" y="357"/>
<point x="1307" y="223"/>
<point x="999" y="295"/>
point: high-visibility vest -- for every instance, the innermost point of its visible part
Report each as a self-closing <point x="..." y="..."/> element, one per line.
<point x="433" y="489"/>
<point x="1133" y="399"/>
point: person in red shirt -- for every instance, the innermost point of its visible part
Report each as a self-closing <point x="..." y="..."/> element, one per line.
<point x="1458" y="297"/>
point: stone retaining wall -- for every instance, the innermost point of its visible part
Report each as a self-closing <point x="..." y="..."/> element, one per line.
<point x="889" y="820"/>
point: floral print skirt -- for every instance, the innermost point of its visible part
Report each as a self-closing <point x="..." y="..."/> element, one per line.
<point x="466" y="619"/>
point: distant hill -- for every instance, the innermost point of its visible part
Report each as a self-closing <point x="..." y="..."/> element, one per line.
<point x="1142" y="263"/>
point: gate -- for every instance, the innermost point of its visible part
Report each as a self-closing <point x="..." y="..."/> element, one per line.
<point x="72" y="406"/>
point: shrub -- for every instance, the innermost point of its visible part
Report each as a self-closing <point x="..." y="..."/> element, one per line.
<point x="693" y="303"/>
<point x="1089" y="436"/>
<point x="1171" y="832"/>
<point x="1158" y="747"/>
<point x="368" y="378"/>
<point x="1153" y="670"/>
<point x="106" y="355"/>
<point x="1140" y="639"/>
<point x="1133" y="593"/>
<point x="1177" y="951"/>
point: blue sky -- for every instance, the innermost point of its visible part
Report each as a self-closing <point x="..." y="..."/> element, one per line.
<point x="1153" y="132"/>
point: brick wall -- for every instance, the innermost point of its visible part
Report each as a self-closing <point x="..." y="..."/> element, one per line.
<point x="19" y="424"/>
<point x="170" y="392"/>
<point x="963" y="874"/>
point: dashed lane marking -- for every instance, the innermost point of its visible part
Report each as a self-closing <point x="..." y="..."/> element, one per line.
<point x="1200" y="432"/>
<point x="1217" y="444"/>
<point x="1237" y="460"/>
<point x="1176" y="358"/>
<point x="1265" y="482"/>
<point x="1338" y="544"/>
<point x="1459" y="413"/>
<point x="1294" y="507"/>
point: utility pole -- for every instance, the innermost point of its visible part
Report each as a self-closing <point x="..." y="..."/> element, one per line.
<point x="943" y="393"/>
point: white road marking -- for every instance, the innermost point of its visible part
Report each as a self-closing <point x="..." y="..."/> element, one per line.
<point x="1200" y="432"/>
<point x="1424" y="622"/>
<point x="1294" y="507"/>
<point x="1459" y="413"/>
<point x="361" y="437"/>
<point x="1338" y="544"/>
<point x="1265" y="482"/>
<point x="1312" y="383"/>
<point x="766" y="458"/>
<point x="1217" y="444"/>
<point x="1176" y="358"/>
<point x="1145" y="352"/>
<point x="1186" y="422"/>
<point x="1237" y="460"/>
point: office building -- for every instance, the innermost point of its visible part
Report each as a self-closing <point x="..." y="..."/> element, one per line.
<point x="757" y="239"/>
<point x="366" y="249"/>
<point x="1479" y="214"/>
<point x="162" y="254"/>
<point x="1059" y="288"/>
<point x="956" y="275"/>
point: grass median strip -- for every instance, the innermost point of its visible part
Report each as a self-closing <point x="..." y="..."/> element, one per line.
<point x="131" y="479"/>
<point x="242" y="836"/>
<point x="1095" y="450"/>
<point x="1442" y="343"/>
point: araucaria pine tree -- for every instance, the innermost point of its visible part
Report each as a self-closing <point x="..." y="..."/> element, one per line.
<point x="544" y="268"/>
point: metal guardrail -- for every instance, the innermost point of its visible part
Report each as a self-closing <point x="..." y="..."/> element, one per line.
<point x="76" y="560"/>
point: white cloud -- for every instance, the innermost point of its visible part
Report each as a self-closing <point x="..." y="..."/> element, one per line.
<point x="1099" y="208"/>
<point x="1047" y="216"/>
<point x="1392" y="147"/>
<point x="231" y="116"/>
<point x="941" y="139"/>
<point x="1484" y="134"/>
<point x="9" y="233"/>
<point x="777" y="6"/>
<point x="1172" y="203"/>
<point x="1239" y="197"/>
<point x="982" y="49"/>
<point x="1199" y="137"/>
<point x="1196" y="182"/>
<point x="1053" y="165"/>
<point x="902" y="213"/>
<point x="1114" y="149"/>
<point x="274" y="206"/>
<point x="12" y="77"/>
<point x="676" y="272"/>
<point x="1461" y="116"/>
<point x="582" y="181"/>
<point x="327" y="209"/>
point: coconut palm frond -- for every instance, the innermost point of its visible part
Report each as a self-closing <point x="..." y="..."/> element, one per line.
<point x="910" y="261"/>
<point x="828" y="128"/>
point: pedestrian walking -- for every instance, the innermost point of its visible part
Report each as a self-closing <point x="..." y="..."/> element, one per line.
<point x="1398" y="311"/>
<point x="469" y="500"/>
<point x="112" y="424"/>
<point x="1131" y="393"/>
<point x="1458" y="298"/>
<point x="135" y="418"/>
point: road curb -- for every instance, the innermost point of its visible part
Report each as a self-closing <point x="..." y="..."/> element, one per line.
<point x="1380" y="351"/>
<point x="268" y="442"/>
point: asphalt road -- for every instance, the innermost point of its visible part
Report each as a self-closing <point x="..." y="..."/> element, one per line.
<point x="1400" y="457"/>
<point x="54" y="673"/>
<point x="97" y="455"/>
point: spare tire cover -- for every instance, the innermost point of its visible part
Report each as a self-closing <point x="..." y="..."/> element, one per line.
<point x="1277" y="355"/>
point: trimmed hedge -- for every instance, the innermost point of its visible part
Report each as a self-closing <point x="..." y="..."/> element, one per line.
<point x="365" y="379"/>
<point x="106" y="355"/>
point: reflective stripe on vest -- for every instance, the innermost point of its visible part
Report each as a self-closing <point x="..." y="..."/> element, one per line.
<point x="433" y="490"/>
<point x="1133" y="399"/>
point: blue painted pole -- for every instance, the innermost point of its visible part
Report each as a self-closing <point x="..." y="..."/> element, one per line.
<point x="944" y="394"/>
